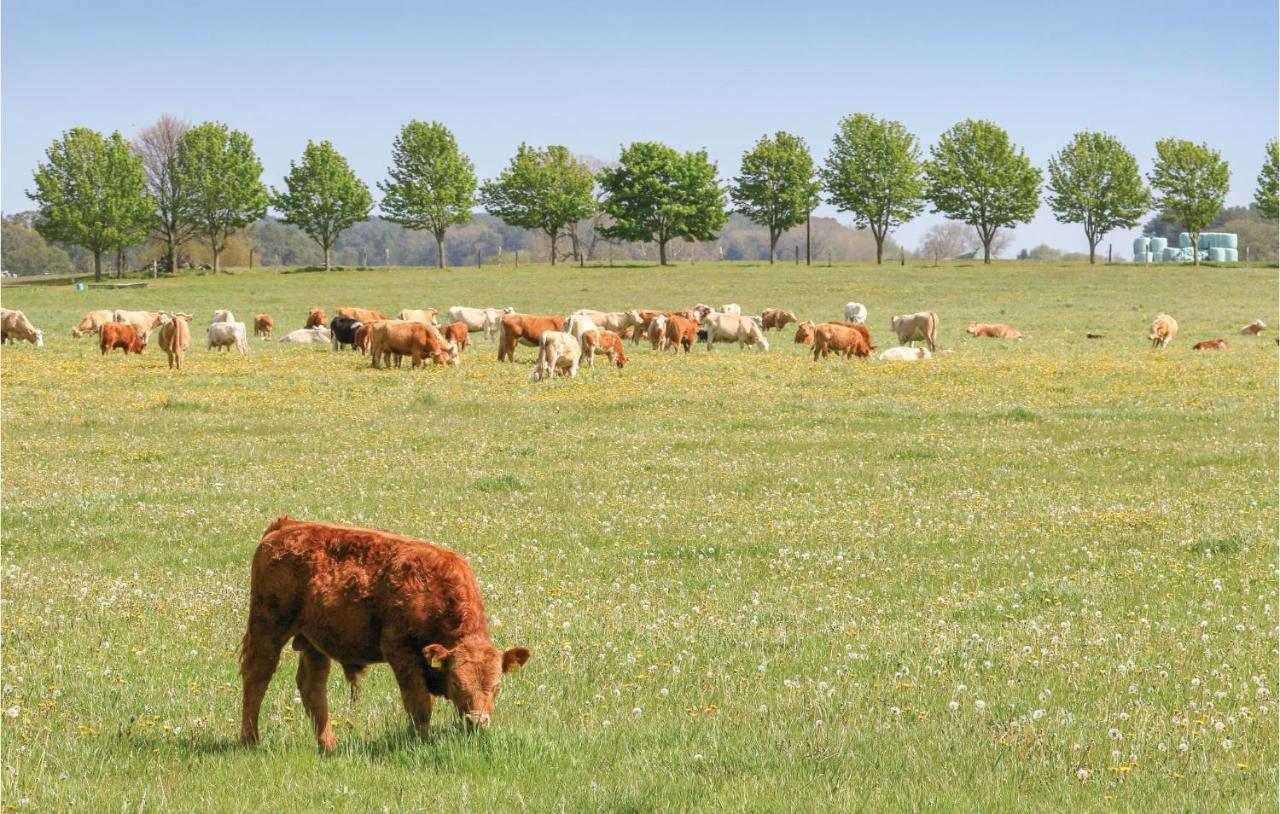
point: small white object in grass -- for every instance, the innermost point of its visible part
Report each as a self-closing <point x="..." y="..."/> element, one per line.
<point x="13" y="712"/>
<point x="1082" y="774"/>
<point x="980" y="705"/>
<point x="953" y="706"/>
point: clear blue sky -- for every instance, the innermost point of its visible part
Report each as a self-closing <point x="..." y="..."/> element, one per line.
<point x="713" y="75"/>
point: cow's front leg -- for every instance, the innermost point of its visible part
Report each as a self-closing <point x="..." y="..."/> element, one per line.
<point x="406" y="663"/>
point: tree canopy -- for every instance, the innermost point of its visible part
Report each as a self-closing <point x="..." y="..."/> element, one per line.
<point x="977" y="176"/>
<point x="92" y="192"/>
<point x="544" y="189"/>
<point x="222" y="176"/>
<point x="874" y="173"/>
<point x="658" y="194"/>
<point x="1096" y="182"/>
<point x="1192" y="182"/>
<point x="432" y="184"/>
<point x="322" y="196"/>
<point x="777" y="188"/>
<point x="1266" y="194"/>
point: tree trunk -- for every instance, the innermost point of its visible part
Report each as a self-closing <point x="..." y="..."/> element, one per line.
<point x="986" y="248"/>
<point x="217" y="253"/>
<point x="97" y="266"/>
<point x="879" y="248"/>
<point x="326" y="258"/>
<point x="773" y="245"/>
<point x="662" y="252"/>
<point x="551" y="233"/>
<point x="440" y="249"/>
<point x="1093" y="248"/>
<point x="173" y="254"/>
<point x="1195" y="248"/>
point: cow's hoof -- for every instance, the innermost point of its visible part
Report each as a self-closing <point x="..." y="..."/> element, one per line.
<point x="328" y="743"/>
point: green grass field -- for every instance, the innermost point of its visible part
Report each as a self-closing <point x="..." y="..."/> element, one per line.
<point x="1022" y="576"/>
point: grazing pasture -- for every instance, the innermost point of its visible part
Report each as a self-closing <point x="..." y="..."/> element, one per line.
<point x="1032" y="575"/>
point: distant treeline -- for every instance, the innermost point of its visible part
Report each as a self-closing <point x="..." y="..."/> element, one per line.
<point x="180" y="195"/>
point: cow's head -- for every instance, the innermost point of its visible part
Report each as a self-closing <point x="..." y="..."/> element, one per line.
<point x="470" y="676"/>
<point x="972" y="330"/>
<point x="39" y="338"/>
<point x="619" y="358"/>
<point x="137" y="346"/>
<point x="702" y="310"/>
<point x="804" y="333"/>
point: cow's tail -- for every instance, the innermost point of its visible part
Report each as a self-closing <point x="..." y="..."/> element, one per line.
<point x="502" y="338"/>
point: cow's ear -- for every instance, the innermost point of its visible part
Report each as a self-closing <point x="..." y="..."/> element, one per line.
<point x="435" y="654"/>
<point x="514" y="659"/>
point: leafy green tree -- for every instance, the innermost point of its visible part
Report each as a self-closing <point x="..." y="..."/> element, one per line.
<point x="1265" y="196"/>
<point x="322" y="196"/>
<point x="1192" y="181"/>
<point x="223" y="177"/>
<point x="1096" y="182"/>
<point x="977" y="176"/>
<point x="777" y="188"/>
<point x="432" y="186"/>
<point x="91" y="192"/>
<point x="874" y="172"/>
<point x="658" y="194"/>
<point x="548" y="190"/>
<point x="24" y="252"/>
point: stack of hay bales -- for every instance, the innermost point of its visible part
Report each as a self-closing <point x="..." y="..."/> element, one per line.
<point x="1142" y="250"/>
<point x="1221" y="246"/>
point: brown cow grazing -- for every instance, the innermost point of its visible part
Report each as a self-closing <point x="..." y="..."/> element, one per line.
<point x="682" y="331"/>
<point x="175" y="338"/>
<point x="524" y="329"/>
<point x="121" y="335"/>
<point x="805" y="332"/>
<point x="994" y="331"/>
<point x="1210" y="344"/>
<point x="1163" y="329"/>
<point x="262" y="325"/>
<point x="845" y="339"/>
<point x="316" y="319"/>
<point x="776" y="318"/>
<point x="602" y="341"/>
<point x="92" y="321"/>
<point x="417" y="340"/>
<point x="458" y="333"/>
<point x="362" y="336"/>
<point x="361" y="597"/>
<point x="361" y="314"/>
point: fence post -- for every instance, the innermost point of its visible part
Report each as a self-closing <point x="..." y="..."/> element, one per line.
<point x="477" y="255"/>
<point x="808" y="245"/>
<point x="1108" y="254"/>
<point x="797" y="254"/>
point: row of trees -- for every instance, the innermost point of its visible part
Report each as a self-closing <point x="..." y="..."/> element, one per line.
<point x="177" y="182"/>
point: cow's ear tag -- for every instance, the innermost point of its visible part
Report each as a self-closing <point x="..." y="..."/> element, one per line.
<point x="436" y="664"/>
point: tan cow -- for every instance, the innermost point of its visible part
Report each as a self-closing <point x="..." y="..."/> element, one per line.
<point x="616" y="321"/>
<point x="1163" y="330"/>
<point x="175" y="338"/>
<point x="733" y="328"/>
<point x="14" y="325"/>
<point x="845" y="340"/>
<point x="524" y="329"/>
<point x="1253" y="328"/>
<point x="602" y="341"/>
<point x="263" y="325"/>
<point x="417" y="315"/>
<point x="772" y="318"/>
<point x="417" y="340"/>
<point x="479" y="319"/>
<point x="361" y="314"/>
<point x="805" y="332"/>
<point x="142" y="321"/>
<point x="91" y="322"/>
<point x="558" y="353"/>
<point x="993" y="331"/>
<point x="918" y="327"/>
<point x="1210" y="344"/>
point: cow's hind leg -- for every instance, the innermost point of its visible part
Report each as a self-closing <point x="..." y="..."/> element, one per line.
<point x="313" y="676"/>
<point x="259" y="656"/>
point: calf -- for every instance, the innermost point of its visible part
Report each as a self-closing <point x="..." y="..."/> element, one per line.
<point x="91" y="322"/>
<point x="227" y="335"/>
<point x="994" y="331"/>
<point x="772" y="318"/>
<point x="343" y="330"/>
<point x="524" y="329"/>
<point x="363" y="333"/>
<point x="15" y="326"/>
<point x="602" y="341"/>
<point x="1210" y="344"/>
<point x="681" y="332"/>
<point x="458" y="334"/>
<point x="918" y="327"/>
<point x="558" y="353"/>
<point x="846" y="340"/>
<point x="316" y="319"/>
<point x="175" y="338"/>
<point x="361" y="597"/>
<point x="1163" y="329"/>
<point x="114" y="335"/>
<point x="263" y="325"/>
<point x="657" y="332"/>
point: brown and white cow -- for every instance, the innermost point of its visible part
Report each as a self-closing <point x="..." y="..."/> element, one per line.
<point x="263" y="324"/>
<point x="843" y="339"/>
<point x="656" y="332"/>
<point x="606" y="342"/>
<point x="175" y="338"/>
<point x="993" y="331"/>
<point x="524" y="329"/>
<point x="142" y="321"/>
<point x="1163" y="329"/>
<point x="121" y="335"/>
<point x="14" y="326"/>
<point x="317" y="319"/>
<point x="361" y="597"/>
<point x="91" y="322"/>
<point x="778" y="318"/>
<point x="918" y="327"/>
<point x="1210" y="344"/>
<point x="559" y="353"/>
<point x="361" y="314"/>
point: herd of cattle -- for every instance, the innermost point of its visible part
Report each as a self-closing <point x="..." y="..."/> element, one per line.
<point x="563" y="342"/>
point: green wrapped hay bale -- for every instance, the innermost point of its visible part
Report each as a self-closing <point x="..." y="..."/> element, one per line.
<point x="1217" y="255"/>
<point x="1158" y="245"/>
<point x="1233" y="255"/>
<point x="1230" y="241"/>
<point x="1141" y="246"/>
<point x="1171" y="255"/>
<point x="1184" y="240"/>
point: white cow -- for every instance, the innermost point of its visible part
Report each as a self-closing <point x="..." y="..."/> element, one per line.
<point x="223" y="315"/>
<point x="616" y="321"/>
<point x="578" y="324"/>
<point x="427" y="315"/>
<point x="558" y="352"/>
<point x="225" y="335"/>
<point x="731" y="308"/>
<point x="855" y="312"/>
<point x="14" y="325"/>
<point x="142" y="321"/>
<point x="92" y="321"/>
<point x="921" y="326"/>
<point x="733" y="328"/>
<point x="479" y="319"/>
<point x="904" y="354"/>
<point x="318" y="335"/>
